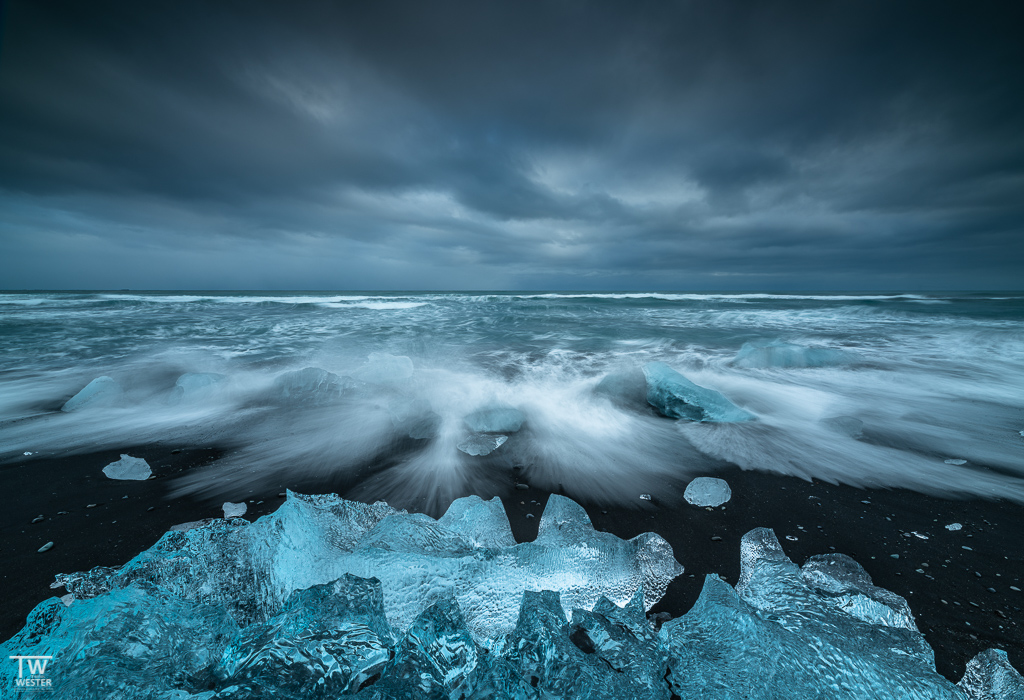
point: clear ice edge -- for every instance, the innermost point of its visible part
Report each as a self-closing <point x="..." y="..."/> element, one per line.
<point x="330" y="598"/>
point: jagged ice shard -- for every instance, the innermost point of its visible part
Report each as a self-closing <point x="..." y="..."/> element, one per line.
<point x="330" y="598"/>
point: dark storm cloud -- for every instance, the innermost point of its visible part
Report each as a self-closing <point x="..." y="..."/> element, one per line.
<point x="558" y="145"/>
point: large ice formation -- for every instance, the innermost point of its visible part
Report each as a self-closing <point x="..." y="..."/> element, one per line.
<point x="330" y="598"/>
<point x="707" y="491"/>
<point x="311" y="385"/>
<point x="675" y="396"/>
<point x="775" y="353"/>
<point x="101" y="391"/>
<point x="128" y="469"/>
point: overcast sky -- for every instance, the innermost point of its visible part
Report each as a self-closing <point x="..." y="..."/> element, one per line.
<point x="515" y="145"/>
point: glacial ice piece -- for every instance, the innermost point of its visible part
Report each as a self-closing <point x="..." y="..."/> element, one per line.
<point x="194" y="386"/>
<point x="415" y="418"/>
<point x="128" y="469"/>
<point x="234" y="510"/>
<point x="495" y="419"/>
<point x="953" y="527"/>
<point x="332" y="637"/>
<point x="775" y="353"/>
<point x="235" y="610"/>
<point x="311" y="385"/>
<point x="821" y="632"/>
<point x="101" y="391"/>
<point x="675" y="396"/>
<point x="627" y="388"/>
<point x="707" y="491"/>
<point x="481" y="444"/>
<point x="382" y="368"/>
<point x="989" y="676"/>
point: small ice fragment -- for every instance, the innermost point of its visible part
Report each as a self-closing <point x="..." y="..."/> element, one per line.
<point x="707" y="491"/>
<point x="382" y="368"/>
<point x="480" y="445"/>
<point x="775" y="353"/>
<point x="791" y="538"/>
<point x="102" y="391"/>
<point x="128" y="469"/>
<point x="956" y="462"/>
<point x="234" y="510"/>
<point x="954" y="526"/>
<point x="46" y="547"/>
<point x="919" y="535"/>
<point x="194" y="386"/>
<point x="846" y="425"/>
<point x="28" y="454"/>
<point x="646" y="497"/>
<point x="68" y="599"/>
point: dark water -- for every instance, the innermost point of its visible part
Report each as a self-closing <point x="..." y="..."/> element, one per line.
<point x="909" y="382"/>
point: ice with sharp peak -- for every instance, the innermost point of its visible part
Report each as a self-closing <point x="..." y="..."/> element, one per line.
<point x="100" y="392"/>
<point x="707" y="491"/>
<point x="128" y="469"/>
<point x="333" y="598"/>
<point x="675" y="396"/>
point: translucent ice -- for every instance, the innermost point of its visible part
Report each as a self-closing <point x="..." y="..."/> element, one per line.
<point x="128" y="469"/>
<point x="311" y="385"/>
<point x="331" y="598"/>
<point x="707" y="491"/>
<point x="627" y="388"/>
<point x="495" y="419"/>
<point x="102" y="391"/>
<point x="675" y="396"/>
<point x="481" y="444"/>
<point x="989" y="676"/>
<point x="194" y="386"/>
<point x="775" y="353"/>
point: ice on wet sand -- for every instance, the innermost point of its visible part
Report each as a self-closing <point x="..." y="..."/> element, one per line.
<point x="128" y="469"/>
<point x="707" y="491"/>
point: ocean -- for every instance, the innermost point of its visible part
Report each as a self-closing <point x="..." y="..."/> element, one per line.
<point x="916" y="391"/>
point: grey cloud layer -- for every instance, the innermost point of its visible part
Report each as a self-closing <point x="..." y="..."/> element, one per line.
<point x="555" y="145"/>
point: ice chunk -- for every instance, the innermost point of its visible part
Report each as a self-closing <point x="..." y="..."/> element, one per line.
<point x="415" y="418"/>
<point x="775" y="353"/>
<point x="194" y="386"/>
<point x="627" y="388"/>
<point x="102" y="391"/>
<point x="952" y="527"/>
<point x="308" y="603"/>
<point x="707" y="491"/>
<point x="482" y="444"/>
<point x="989" y="676"/>
<point x="329" y="639"/>
<point x="311" y="385"/>
<point x="955" y="462"/>
<point x="234" y="510"/>
<point x="675" y="396"/>
<point x="822" y="632"/>
<point x="382" y="368"/>
<point x="495" y="419"/>
<point x="128" y="469"/>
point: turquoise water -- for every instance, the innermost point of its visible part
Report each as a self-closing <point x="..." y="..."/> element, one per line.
<point x="903" y="383"/>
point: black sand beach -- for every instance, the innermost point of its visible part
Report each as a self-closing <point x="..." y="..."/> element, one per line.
<point x="958" y="583"/>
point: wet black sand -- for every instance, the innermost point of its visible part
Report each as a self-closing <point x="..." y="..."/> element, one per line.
<point x="963" y="600"/>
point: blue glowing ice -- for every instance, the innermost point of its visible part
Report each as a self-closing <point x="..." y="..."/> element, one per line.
<point x="675" y="396"/>
<point x="100" y="392"/>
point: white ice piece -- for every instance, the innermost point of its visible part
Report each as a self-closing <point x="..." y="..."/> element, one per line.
<point x="128" y="469"/>
<point x="707" y="491"/>
<point x="234" y="510"/>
